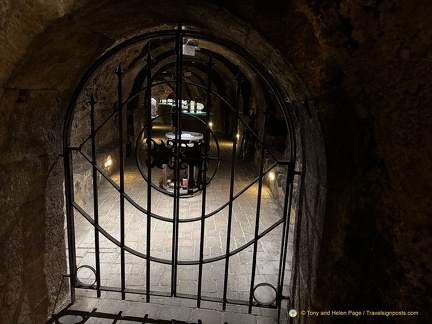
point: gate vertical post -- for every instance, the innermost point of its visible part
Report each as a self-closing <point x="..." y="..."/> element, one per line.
<point x="95" y="193"/>
<point x="204" y="178"/>
<point x="121" y="158"/>
<point x="70" y="222"/>
<point x="285" y="233"/>
<point x="258" y="210"/>
<point x="177" y="137"/>
<point x="147" y="105"/>
<point x="231" y="193"/>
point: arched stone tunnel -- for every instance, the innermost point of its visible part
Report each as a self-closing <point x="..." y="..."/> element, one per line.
<point x="357" y="76"/>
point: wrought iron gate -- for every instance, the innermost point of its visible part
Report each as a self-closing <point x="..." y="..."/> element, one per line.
<point x="179" y="167"/>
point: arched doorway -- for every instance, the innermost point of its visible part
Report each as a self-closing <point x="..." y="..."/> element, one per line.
<point x="192" y="200"/>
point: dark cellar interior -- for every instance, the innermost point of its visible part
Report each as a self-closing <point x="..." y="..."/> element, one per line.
<point x="339" y="90"/>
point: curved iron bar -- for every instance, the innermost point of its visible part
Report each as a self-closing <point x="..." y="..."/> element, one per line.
<point x="246" y="56"/>
<point x="97" y="65"/>
<point x="171" y="141"/>
<point x="130" y="98"/>
<point x="262" y="71"/>
<point x="113" y="114"/>
<point x="169" y="262"/>
<point x="245" y="124"/>
<point x="181" y="220"/>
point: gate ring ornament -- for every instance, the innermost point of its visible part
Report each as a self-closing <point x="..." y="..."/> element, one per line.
<point x="79" y="282"/>
<point x="261" y="302"/>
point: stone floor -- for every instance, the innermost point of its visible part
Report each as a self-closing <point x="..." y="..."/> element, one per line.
<point x="244" y="215"/>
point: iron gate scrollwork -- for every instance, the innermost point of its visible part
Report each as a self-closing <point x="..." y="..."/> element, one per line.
<point x="182" y="163"/>
<point x="161" y="154"/>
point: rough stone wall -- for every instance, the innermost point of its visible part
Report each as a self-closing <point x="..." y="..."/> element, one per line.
<point x="33" y="101"/>
<point x="32" y="249"/>
<point x="379" y="244"/>
<point x="19" y="23"/>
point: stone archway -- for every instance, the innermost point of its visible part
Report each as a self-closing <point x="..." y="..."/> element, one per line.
<point x="58" y="58"/>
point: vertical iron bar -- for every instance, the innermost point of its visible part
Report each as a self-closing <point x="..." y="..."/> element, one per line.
<point x="258" y="211"/>
<point x="209" y="94"/>
<point x="67" y="153"/>
<point x="95" y="193"/>
<point x="282" y="251"/>
<point x="149" y="171"/>
<point x="177" y="143"/>
<point x="122" y="202"/>
<point x="231" y="194"/>
<point x="285" y="233"/>
<point x="204" y="179"/>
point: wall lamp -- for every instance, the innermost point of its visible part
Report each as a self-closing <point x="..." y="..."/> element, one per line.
<point x="272" y="176"/>
<point x="108" y="162"/>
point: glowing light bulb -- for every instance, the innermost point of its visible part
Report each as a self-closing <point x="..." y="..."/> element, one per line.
<point x="108" y="162"/>
<point x="272" y="176"/>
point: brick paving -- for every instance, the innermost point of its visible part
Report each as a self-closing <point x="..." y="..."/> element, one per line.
<point x="244" y="211"/>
